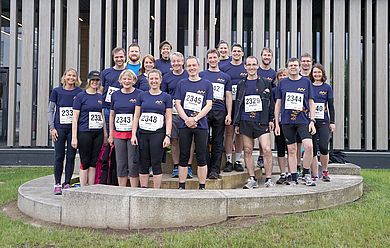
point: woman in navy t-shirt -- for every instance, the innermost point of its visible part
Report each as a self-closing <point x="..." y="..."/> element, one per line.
<point x="123" y="104"/>
<point x="325" y="119"/>
<point x="60" y="117"/>
<point x="153" y="119"/>
<point x="148" y="63"/>
<point x="88" y="133"/>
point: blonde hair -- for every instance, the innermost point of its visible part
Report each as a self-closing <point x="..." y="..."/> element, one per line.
<point x="128" y="72"/>
<point x="78" y="80"/>
<point x="280" y="72"/>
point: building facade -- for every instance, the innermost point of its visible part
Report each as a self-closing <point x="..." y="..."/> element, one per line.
<point x="40" y="38"/>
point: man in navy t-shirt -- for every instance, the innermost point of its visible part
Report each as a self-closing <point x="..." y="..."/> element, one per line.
<point x="164" y="63"/>
<point x="109" y="78"/>
<point x="236" y="70"/>
<point x="266" y="72"/>
<point x="295" y="104"/>
<point x="193" y="101"/>
<point x="221" y="112"/>
<point x="253" y="119"/>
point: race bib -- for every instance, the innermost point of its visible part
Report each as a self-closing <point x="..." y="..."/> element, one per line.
<point x="193" y="101"/>
<point x="234" y="92"/>
<point x="66" y="115"/>
<point x="253" y="103"/>
<point x="95" y="120"/>
<point x="123" y="122"/>
<point x="110" y="91"/>
<point x="174" y="110"/>
<point x="294" y="101"/>
<point x="151" y="121"/>
<point x="218" y="91"/>
<point x="319" y="110"/>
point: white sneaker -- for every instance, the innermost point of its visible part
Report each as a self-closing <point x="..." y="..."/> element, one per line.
<point x="251" y="184"/>
<point x="308" y="181"/>
<point x="269" y="183"/>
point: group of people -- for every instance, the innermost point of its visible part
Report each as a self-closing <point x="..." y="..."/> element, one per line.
<point x="141" y="107"/>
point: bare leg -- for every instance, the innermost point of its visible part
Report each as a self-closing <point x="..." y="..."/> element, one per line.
<point x="248" y="151"/>
<point x="134" y="182"/>
<point x="308" y="155"/>
<point x="91" y="175"/>
<point x="292" y="157"/>
<point x="144" y="180"/>
<point x="202" y="174"/>
<point x="265" y="141"/>
<point x="83" y="177"/>
<point x="122" y="181"/>
<point x="157" y="181"/>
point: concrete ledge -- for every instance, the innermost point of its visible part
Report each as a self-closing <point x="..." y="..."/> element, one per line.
<point x="101" y="206"/>
<point x="344" y="169"/>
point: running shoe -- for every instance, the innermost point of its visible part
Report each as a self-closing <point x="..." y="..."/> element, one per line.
<point x="189" y="172"/>
<point x="238" y="166"/>
<point x="67" y="186"/>
<point x="268" y="183"/>
<point x="325" y="176"/>
<point x="281" y="180"/>
<point x="251" y="184"/>
<point x="260" y="162"/>
<point x="228" y="167"/>
<point x="57" y="189"/>
<point x="307" y="181"/>
<point x="175" y="171"/>
<point x="213" y="175"/>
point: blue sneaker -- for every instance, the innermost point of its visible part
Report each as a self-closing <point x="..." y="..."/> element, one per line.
<point x="260" y="162"/>
<point x="175" y="171"/>
<point x="189" y="173"/>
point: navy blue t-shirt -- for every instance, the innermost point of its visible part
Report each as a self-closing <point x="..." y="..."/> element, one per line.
<point x="223" y="62"/>
<point x="64" y="103"/>
<point x="251" y="90"/>
<point x="163" y="65"/>
<point x="142" y="82"/>
<point x="221" y="83"/>
<point x="156" y="104"/>
<point x="87" y="103"/>
<point x="170" y="80"/>
<point x="236" y="73"/>
<point x="193" y="96"/>
<point x="124" y="103"/>
<point x="109" y="78"/>
<point x="322" y="94"/>
<point x="268" y="75"/>
<point x="295" y="95"/>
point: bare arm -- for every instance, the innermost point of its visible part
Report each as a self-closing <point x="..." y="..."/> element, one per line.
<point x="76" y="114"/>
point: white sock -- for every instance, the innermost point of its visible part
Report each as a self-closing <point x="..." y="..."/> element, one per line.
<point x="238" y="157"/>
<point x="229" y="157"/>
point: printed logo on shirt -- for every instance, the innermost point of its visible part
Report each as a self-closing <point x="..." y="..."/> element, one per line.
<point x="243" y="74"/>
<point x="133" y="100"/>
<point x="266" y="90"/>
<point x="301" y="89"/>
<point x="220" y="80"/>
<point x="269" y="79"/>
<point x="100" y="101"/>
<point x="201" y="92"/>
<point x="323" y="92"/>
<point x="159" y="102"/>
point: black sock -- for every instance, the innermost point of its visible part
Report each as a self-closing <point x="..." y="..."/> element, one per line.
<point x="306" y="171"/>
<point x="268" y="179"/>
<point x="282" y="175"/>
<point x="294" y="176"/>
<point x="176" y="165"/>
<point x="182" y="185"/>
<point x="202" y="186"/>
<point x="254" y="178"/>
<point x="189" y="165"/>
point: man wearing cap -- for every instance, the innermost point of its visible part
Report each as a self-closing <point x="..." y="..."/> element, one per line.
<point x="164" y="63"/>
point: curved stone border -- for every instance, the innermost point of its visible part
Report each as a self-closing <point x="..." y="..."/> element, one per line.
<point x="101" y="206"/>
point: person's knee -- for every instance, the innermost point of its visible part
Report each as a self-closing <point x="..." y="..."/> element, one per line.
<point x="324" y="149"/>
<point x="267" y="151"/>
<point x="248" y="150"/>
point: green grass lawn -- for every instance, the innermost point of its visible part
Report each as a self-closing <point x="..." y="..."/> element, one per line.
<point x="365" y="223"/>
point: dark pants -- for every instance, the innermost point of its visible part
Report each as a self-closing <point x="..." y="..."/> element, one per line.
<point x="64" y="136"/>
<point x="321" y="139"/>
<point x="281" y="145"/>
<point x="216" y="120"/>
<point x="151" y="152"/>
<point x="89" y="144"/>
<point x="200" y="137"/>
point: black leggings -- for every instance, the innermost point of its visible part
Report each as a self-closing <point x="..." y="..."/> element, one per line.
<point x="64" y="136"/>
<point x="281" y="145"/>
<point x="321" y="139"/>
<point x="151" y="152"/>
<point x="89" y="144"/>
<point x="200" y="137"/>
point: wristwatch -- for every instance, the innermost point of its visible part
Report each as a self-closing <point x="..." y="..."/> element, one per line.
<point x="168" y="135"/>
<point x="313" y="120"/>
